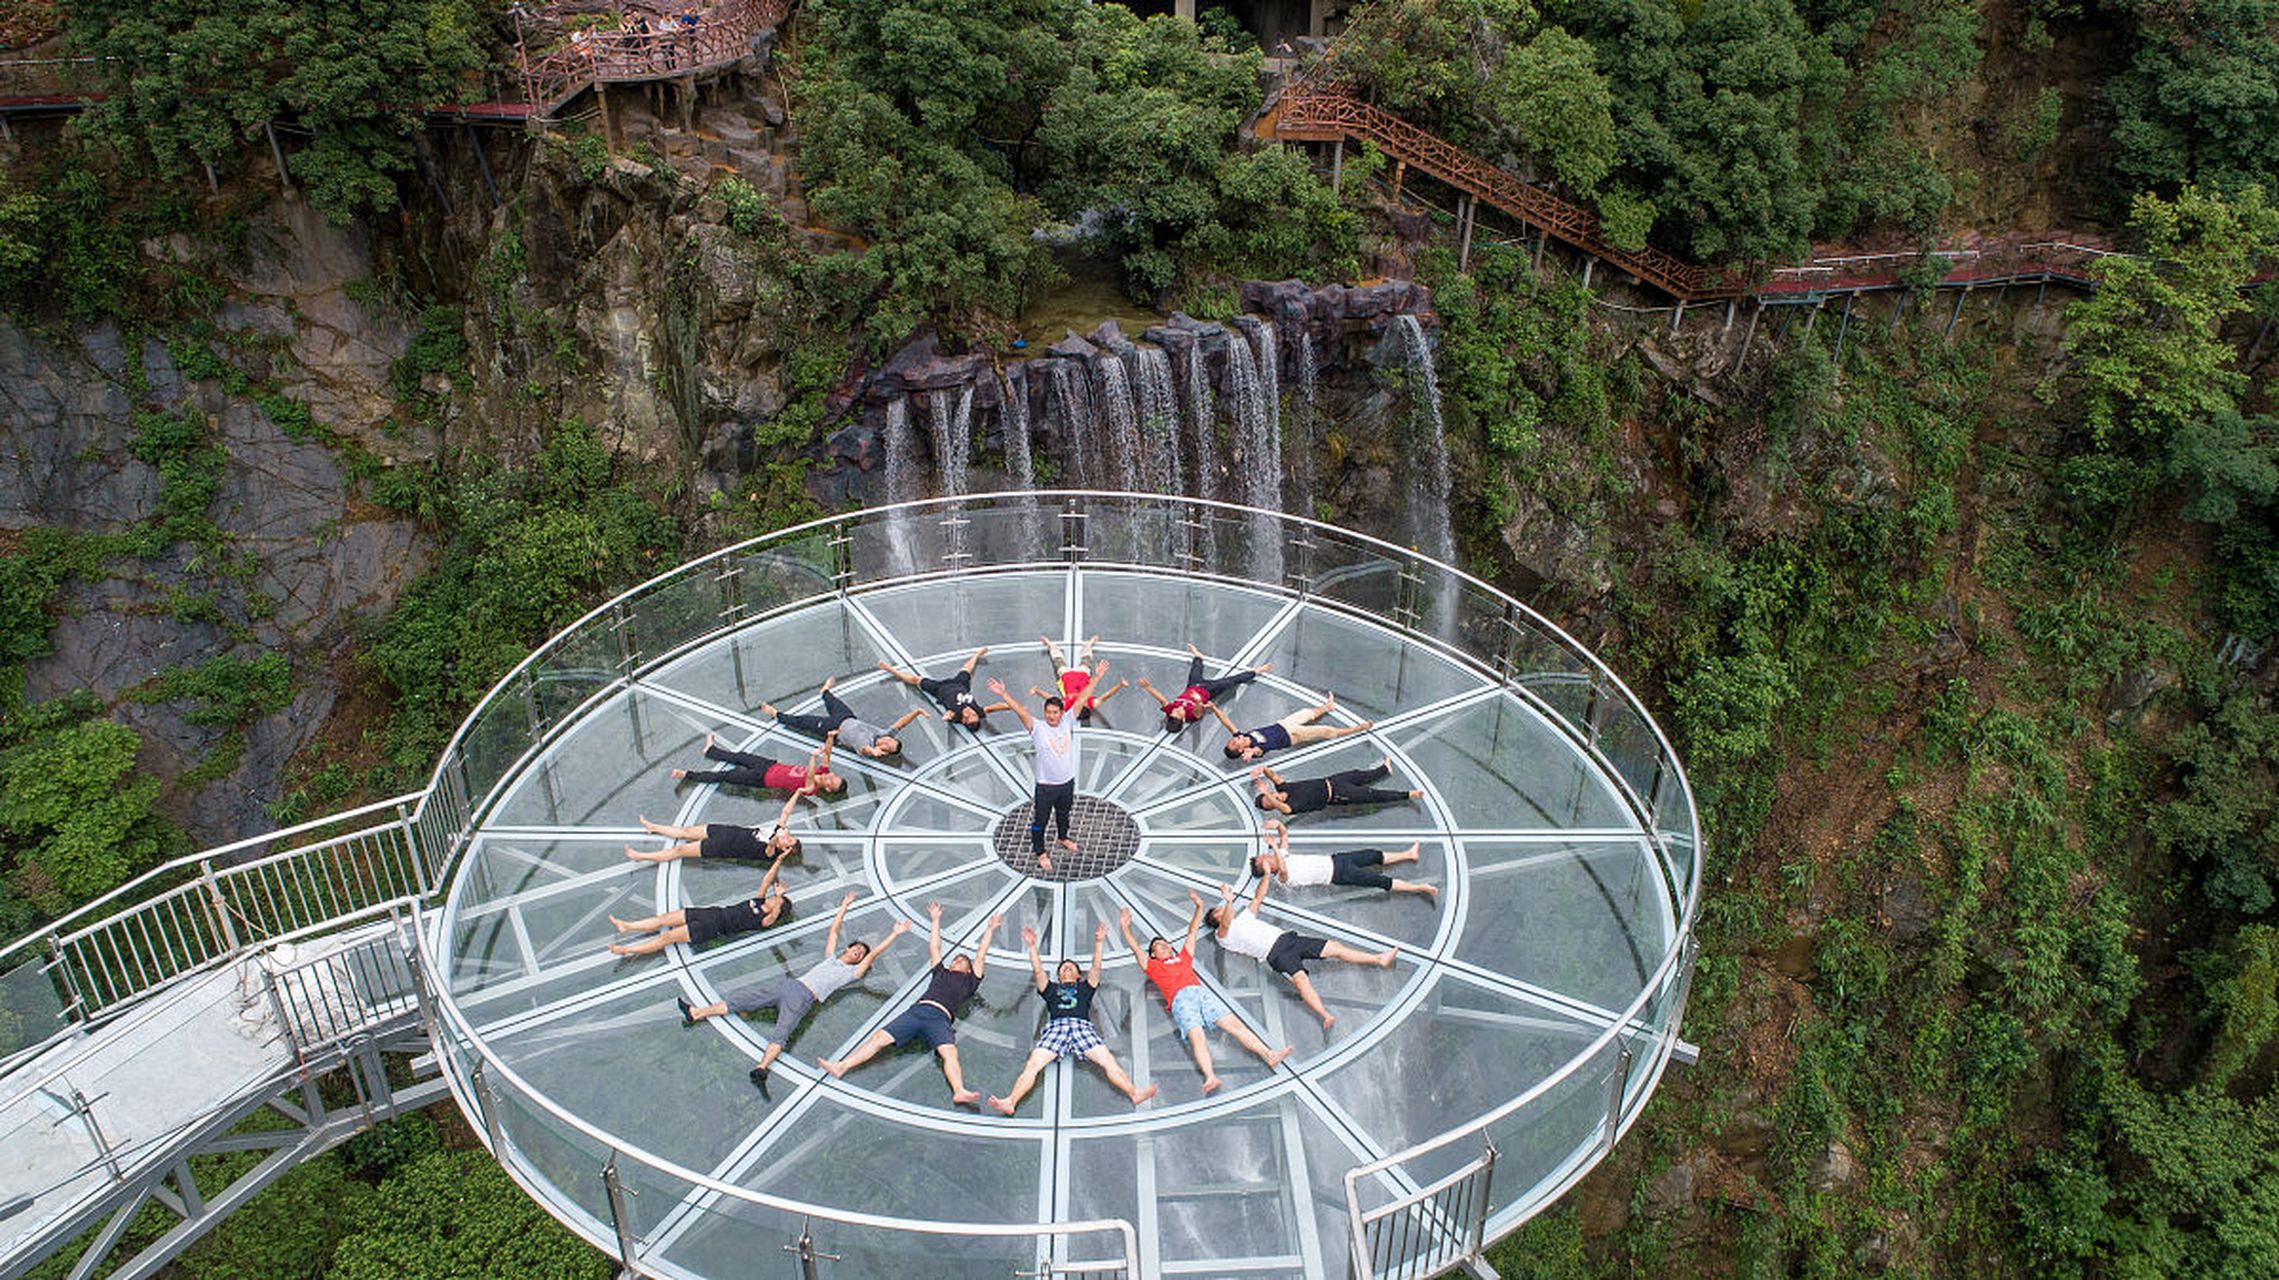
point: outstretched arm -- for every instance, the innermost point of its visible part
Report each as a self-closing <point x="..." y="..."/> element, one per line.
<point x="1036" y="962"/>
<point x="934" y="934"/>
<point x="871" y="957"/>
<point x="907" y="716"/>
<point x="783" y="815"/>
<point x="1195" y="921"/>
<point x="773" y="878"/>
<point x="1257" y="896"/>
<point x="831" y="939"/>
<point x="830" y="744"/>
<point x="1124" y="922"/>
<point x="981" y="948"/>
<point x="1099" y="941"/>
<point x="1160" y="700"/>
<point x="997" y="687"/>
<point x="1277" y="836"/>
<point x="1214" y="709"/>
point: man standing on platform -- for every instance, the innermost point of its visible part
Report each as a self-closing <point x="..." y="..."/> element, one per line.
<point x="1054" y="736"/>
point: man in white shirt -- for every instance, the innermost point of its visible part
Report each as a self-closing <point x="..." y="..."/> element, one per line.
<point x="1285" y="951"/>
<point x="1054" y="737"/>
<point x="1353" y="868"/>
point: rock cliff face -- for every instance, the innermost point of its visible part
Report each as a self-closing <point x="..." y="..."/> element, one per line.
<point x="297" y="560"/>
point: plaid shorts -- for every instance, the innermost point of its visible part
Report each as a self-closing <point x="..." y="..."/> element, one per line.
<point x="1070" y="1037"/>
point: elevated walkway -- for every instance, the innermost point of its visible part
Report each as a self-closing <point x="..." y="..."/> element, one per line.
<point x="1310" y="112"/>
<point x="104" y="1120"/>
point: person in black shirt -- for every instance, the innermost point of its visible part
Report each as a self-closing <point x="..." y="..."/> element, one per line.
<point x="1068" y="1030"/>
<point x="697" y="926"/>
<point x="955" y="694"/>
<point x="1293" y="796"/>
<point x="933" y="1018"/>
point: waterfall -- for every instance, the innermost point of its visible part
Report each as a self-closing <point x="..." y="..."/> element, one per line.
<point x="1159" y="422"/>
<point x="1019" y="464"/>
<point x="953" y="436"/>
<point x="901" y="485"/>
<point x="1120" y="417"/>
<point x="1199" y="424"/>
<point x="1260" y="423"/>
<point x="1258" y="457"/>
<point x="1429" y="482"/>
<point x="1302" y="474"/>
<point x="1077" y="418"/>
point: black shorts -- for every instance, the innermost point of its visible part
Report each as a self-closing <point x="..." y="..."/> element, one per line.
<point x="707" y="924"/>
<point x="1352" y="867"/>
<point x="726" y="840"/>
<point x="1290" y="952"/>
<point x="945" y="691"/>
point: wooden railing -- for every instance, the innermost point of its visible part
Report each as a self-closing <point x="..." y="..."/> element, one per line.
<point x="722" y="36"/>
<point x="1309" y="114"/>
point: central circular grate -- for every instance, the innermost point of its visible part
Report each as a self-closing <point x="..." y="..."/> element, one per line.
<point x="1107" y="836"/>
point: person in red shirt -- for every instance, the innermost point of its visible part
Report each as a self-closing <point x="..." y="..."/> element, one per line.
<point x="1080" y="684"/>
<point x="1193" y="1006"/>
<point x="748" y="770"/>
<point x="1194" y="701"/>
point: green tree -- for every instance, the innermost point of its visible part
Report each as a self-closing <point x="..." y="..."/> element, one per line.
<point x="2147" y="344"/>
<point x="2199" y="99"/>
<point x="455" y="1215"/>
<point x="1551" y="98"/>
<point x="75" y="812"/>
<point x="193" y="82"/>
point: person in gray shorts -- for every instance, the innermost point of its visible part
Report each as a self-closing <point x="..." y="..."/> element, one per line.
<point x="791" y="997"/>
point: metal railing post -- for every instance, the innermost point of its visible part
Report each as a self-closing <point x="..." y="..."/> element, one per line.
<point x="214" y="904"/>
<point x="84" y="1110"/>
<point x="1615" y="1084"/>
<point x="1483" y="1198"/>
<point x="488" y="1100"/>
<point x="621" y="628"/>
<point x="804" y="1249"/>
<point x="618" y="1217"/>
<point x="75" y="1002"/>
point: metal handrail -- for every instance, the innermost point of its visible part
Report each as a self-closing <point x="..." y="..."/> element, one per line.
<point x="497" y="1071"/>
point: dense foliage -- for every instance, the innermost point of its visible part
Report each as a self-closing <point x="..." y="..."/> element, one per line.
<point x="947" y="136"/>
<point x="193" y="83"/>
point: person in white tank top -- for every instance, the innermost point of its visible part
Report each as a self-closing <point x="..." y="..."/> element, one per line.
<point x="1285" y="951"/>
<point x="1353" y="868"/>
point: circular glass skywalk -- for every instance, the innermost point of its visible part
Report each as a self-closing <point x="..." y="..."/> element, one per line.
<point x="1532" y="1005"/>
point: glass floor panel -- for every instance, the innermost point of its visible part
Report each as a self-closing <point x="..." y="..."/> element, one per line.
<point x="1550" y="915"/>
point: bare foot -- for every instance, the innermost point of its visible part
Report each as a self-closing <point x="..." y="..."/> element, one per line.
<point x="708" y="738"/>
<point x="1044" y="862"/>
<point x="1329" y="702"/>
<point x="837" y="1069"/>
<point x="1432" y="891"/>
<point x="1328" y="1020"/>
<point x="965" y="1099"/>
<point x="1003" y="1107"/>
<point x="649" y="826"/>
<point x="828" y="681"/>
<point x="1264" y="667"/>
<point x="1069" y="845"/>
<point x="1275" y="1058"/>
<point x="1210" y="1083"/>
<point x="1413" y="852"/>
<point x="679" y="774"/>
<point x="617" y="949"/>
<point x="635" y="855"/>
<point x="1140" y="1097"/>
<point x="1365" y="725"/>
<point x="620" y="925"/>
<point x="1385" y="961"/>
<point x="767" y="710"/>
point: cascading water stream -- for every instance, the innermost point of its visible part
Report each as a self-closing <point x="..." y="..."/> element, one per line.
<point x="1078" y="418"/>
<point x="1429" y="480"/>
<point x="1200" y="411"/>
<point x="1302" y="426"/>
<point x="901" y="484"/>
<point x="1119" y="450"/>
<point x="1020" y="466"/>
<point x="1159" y="422"/>
<point x="952" y="421"/>
<point x="1258" y="455"/>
